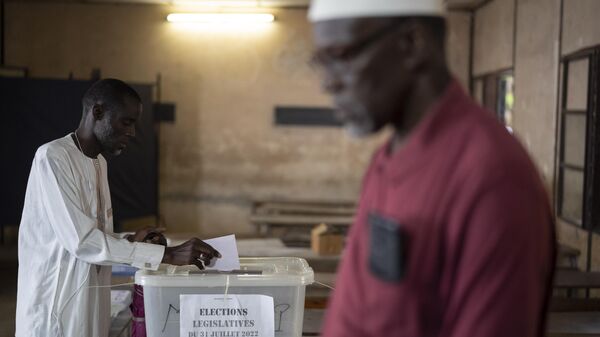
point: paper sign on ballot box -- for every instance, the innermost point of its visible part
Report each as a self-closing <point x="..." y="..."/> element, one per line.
<point x="226" y="316"/>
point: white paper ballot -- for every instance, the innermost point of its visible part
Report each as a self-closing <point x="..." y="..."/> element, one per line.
<point x="229" y="259"/>
<point x="226" y="316"/>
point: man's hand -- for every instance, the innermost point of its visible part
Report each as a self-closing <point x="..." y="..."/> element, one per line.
<point x="193" y="251"/>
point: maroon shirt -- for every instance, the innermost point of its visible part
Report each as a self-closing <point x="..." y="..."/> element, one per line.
<point x="480" y="243"/>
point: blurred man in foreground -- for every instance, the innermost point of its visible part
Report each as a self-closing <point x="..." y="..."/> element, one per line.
<point x="454" y="233"/>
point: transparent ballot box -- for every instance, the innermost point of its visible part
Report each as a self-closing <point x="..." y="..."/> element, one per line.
<point x="282" y="278"/>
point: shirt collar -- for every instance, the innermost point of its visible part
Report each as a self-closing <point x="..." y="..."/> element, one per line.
<point x="421" y="139"/>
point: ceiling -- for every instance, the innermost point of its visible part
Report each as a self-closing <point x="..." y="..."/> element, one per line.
<point x="452" y="4"/>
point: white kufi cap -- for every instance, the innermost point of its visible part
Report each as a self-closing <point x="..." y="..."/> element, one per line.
<point x="321" y="10"/>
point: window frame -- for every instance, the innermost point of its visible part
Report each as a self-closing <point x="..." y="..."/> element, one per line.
<point x="590" y="215"/>
<point x="490" y="88"/>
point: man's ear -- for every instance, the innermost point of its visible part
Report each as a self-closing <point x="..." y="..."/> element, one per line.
<point x="98" y="111"/>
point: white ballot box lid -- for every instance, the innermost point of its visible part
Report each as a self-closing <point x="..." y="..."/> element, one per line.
<point x="254" y="272"/>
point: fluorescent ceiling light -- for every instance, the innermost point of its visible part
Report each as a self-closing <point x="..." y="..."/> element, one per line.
<point x="222" y="3"/>
<point x="242" y="3"/>
<point x="220" y="17"/>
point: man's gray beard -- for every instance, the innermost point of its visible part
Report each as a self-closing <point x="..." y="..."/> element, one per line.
<point x="106" y="132"/>
<point x="360" y="129"/>
<point x="356" y="130"/>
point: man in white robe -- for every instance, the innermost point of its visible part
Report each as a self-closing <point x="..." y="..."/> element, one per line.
<point x="66" y="239"/>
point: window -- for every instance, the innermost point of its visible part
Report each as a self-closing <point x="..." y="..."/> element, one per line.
<point x="495" y="92"/>
<point x="578" y="177"/>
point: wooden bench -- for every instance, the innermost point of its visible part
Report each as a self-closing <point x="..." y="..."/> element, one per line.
<point x="573" y="278"/>
<point x="300" y="215"/>
<point x="573" y="324"/>
<point x="304" y="208"/>
<point x="574" y="304"/>
<point x="568" y="280"/>
<point x="567" y="256"/>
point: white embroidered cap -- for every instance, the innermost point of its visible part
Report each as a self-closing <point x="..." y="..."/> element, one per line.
<point x="322" y="10"/>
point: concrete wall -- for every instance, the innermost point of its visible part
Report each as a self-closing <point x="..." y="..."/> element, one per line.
<point x="459" y="45"/>
<point x="504" y="41"/>
<point x="537" y="65"/>
<point x="536" y="44"/>
<point x="581" y="28"/>
<point x="536" y="81"/>
<point x="223" y="151"/>
<point x="493" y="37"/>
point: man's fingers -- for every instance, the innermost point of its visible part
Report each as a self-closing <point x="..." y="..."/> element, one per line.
<point x="158" y="240"/>
<point x="206" y="248"/>
<point x="199" y="264"/>
<point x="206" y="258"/>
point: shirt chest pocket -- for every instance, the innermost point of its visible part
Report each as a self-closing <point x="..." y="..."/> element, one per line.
<point x="388" y="248"/>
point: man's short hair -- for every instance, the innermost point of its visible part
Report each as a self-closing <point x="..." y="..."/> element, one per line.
<point x="109" y="92"/>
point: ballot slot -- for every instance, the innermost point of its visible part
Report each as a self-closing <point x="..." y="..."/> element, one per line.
<point x="282" y="279"/>
<point x="231" y="272"/>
